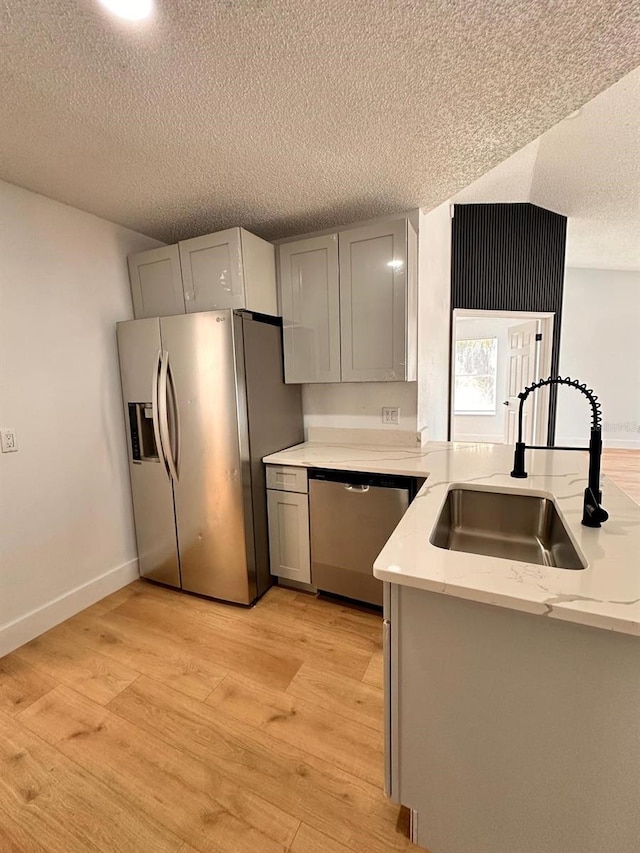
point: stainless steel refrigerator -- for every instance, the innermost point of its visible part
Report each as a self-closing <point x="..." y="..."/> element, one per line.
<point x="205" y="400"/>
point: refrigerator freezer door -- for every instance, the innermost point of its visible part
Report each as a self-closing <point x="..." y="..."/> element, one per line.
<point x="212" y="497"/>
<point x="138" y="346"/>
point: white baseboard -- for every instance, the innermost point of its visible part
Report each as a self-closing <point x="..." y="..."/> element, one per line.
<point x="20" y="631"/>
<point x="480" y="438"/>
<point x="621" y="443"/>
<point x="611" y="443"/>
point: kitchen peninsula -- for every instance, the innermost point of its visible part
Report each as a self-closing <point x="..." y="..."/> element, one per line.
<point x="512" y="688"/>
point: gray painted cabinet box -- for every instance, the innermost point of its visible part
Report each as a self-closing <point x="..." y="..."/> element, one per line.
<point x="507" y="731"/>
<point x="288" y="511"/>
<point x="229" y="269"/>
<point x="349" y="304"/>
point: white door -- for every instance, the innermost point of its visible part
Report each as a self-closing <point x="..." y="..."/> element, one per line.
<point x="521" y="372"/>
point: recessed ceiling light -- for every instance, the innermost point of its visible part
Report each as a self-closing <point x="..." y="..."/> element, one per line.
<point x="130" y="10"/>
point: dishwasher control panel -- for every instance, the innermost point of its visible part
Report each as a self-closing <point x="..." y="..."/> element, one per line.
<point x="364" y="478"/>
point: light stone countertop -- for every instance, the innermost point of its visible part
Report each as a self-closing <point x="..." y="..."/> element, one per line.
<point x="604" y="595"/>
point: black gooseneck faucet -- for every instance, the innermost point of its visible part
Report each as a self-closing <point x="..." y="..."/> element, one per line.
<point x="593" y="515"/>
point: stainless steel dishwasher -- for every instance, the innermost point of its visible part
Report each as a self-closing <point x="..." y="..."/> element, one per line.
<point x="351" y="517"/>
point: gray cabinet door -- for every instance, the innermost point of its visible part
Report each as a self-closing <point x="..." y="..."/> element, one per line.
<point x="212" y="271"/>
<point x="289" y="535"/>
<point x="309" y="295"/>
<point x="156" y="283"/>
<point x="373" y="302"/>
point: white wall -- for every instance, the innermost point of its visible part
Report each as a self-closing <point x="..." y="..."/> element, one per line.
<point x="66" y="528"/>
<point x="489" y="428"/>
<point x="600" y="345"/>
<point x="358" y="405"/>
<point x="434" y="322"/>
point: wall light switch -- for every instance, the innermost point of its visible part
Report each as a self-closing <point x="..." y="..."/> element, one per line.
<point x="8" y="440"/>
<point x="390" y="415"/>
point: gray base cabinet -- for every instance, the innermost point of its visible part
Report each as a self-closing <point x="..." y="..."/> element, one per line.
<point x="288" y="513"/>
<point x="507" y="731"/>
<point x="349" y="304"/>
<point x="231" y="269"/>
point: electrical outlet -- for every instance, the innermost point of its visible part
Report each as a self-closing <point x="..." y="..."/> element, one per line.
<point x="8" y="440"/>
<point x="390" y="415"/>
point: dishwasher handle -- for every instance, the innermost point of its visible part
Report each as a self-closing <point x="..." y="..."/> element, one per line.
<point x="360" y="489"/>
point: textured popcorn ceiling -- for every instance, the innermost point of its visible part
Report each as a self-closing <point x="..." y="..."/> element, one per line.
<point x="289" y="115"/>
<point x="588" y="168"/>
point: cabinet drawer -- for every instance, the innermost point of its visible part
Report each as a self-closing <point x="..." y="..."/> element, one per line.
<point x="287" y="478"/>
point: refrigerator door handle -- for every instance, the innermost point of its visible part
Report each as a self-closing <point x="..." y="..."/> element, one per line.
<point x="154" y="410"/>
<point x="164" y="415"/>
<point x="175" y="414"/>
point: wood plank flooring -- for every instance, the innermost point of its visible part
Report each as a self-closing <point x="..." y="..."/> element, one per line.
<point x="623" y="466"/>
<point x="157" y="721"/>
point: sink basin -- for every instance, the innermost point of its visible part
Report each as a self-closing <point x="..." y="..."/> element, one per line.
<point x="510" y="526"/>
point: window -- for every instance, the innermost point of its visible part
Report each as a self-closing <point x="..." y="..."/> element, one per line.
<point x="476" y="368"/>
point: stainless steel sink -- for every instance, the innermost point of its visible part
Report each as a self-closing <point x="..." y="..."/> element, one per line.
<point x="510" y="526"/>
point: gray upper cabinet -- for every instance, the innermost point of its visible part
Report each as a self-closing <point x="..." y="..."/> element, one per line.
<point x="349" y="304"/>
<point x="212" y="271"/>
<point x="229" y="269"/>
<point x="156" y="283"/>
<point x="310" y="304"/>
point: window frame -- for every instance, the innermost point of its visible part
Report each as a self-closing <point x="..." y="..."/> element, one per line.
<point x="477" y="413"/>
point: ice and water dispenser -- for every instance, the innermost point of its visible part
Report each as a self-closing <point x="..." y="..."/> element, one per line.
<point x="143" y="439"/>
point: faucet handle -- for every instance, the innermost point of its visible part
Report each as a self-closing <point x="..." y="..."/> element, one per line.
<point x="593" y="514"/>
